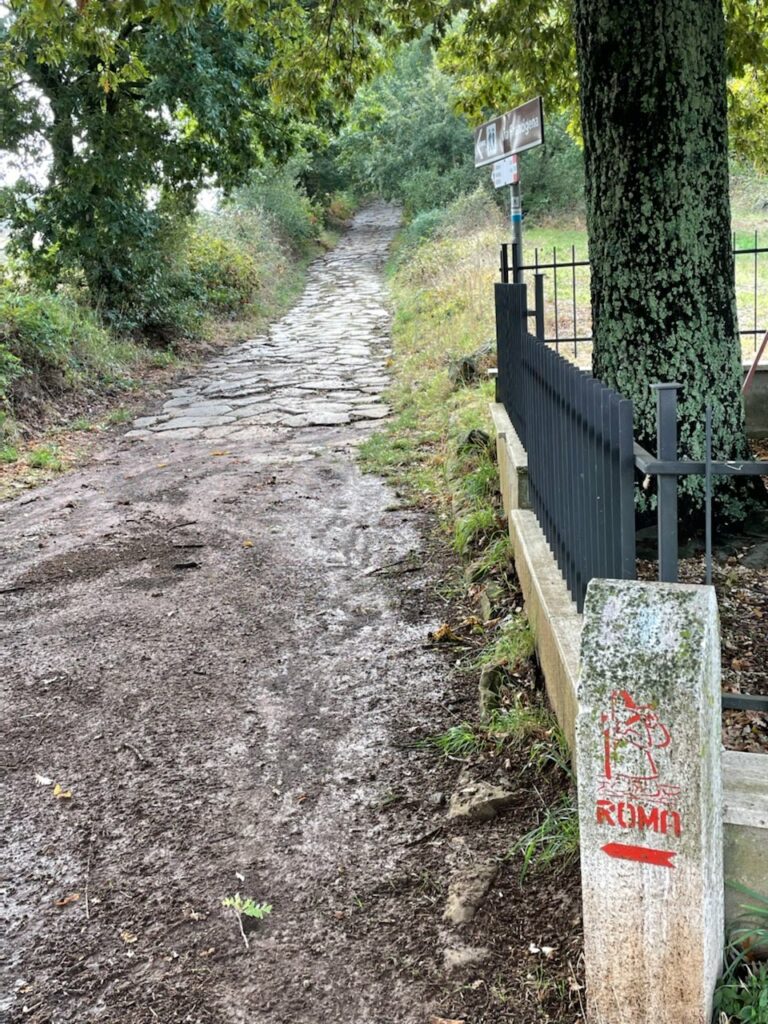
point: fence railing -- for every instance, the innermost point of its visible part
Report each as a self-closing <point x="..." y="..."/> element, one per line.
<point x="578" y="435"/>
<point x="561" y="302"/>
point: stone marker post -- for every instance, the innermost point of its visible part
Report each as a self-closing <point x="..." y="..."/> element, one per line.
<point x="648" y="759"/>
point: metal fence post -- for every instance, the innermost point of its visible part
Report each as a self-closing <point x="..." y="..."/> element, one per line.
<point x="538" y="303"/>
<point x="511" y="327"/>
<point x="666" y="451"/>
<point x="504" y="266"/>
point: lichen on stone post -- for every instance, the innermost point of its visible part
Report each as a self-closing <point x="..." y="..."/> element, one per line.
<point x="650" y="816"/>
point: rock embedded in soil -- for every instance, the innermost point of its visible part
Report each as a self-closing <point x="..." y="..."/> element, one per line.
<point x="489" y="599"/>
<point x="461" y="957"/>
<point x="756" y="557"/>
<point x="479" y="800"/>
<point x="467" y="891"/>
<point x="492" y="680"/>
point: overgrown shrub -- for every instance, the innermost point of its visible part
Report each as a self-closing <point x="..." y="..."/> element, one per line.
<point x="10" y="369"/>
<point x="278" y="193"/>
<point x="233" y="261"/>
<point x="473" y="211"/>
<point x="224" y="276"/>
<point x="552" y="175"/>
<point x="54" y="340"/>
<point x="425" y="225"/>
<point x="340" y="207"/>
<point x="403" y="139"/>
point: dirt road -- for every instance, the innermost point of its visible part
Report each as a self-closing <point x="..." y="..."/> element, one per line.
<point x="200" y="647"/>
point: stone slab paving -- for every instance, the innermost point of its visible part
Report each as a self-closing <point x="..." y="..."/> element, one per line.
<point x="322" y="364"/>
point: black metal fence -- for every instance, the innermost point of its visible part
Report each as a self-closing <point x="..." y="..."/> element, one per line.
<point x="582" y="458"/>
<point x="749" y="259"/>
<point x="578" y="435"/>
<point x="561" y="304"/>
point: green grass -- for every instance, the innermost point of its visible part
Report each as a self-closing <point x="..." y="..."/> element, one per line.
<point x="8" y="454"/>
<point x="474" y="528"/>
<point x="517" y="724"/>
<point x="163" y="359"/>
<point x="119" y="415"/>
<point x="45" y="457"/>
<point x="457" y="741"/>
<point x="81" y="423"/>
<point x="572" y="238"/>
<point x="742" y="992"/>
<point x="495" y="557"/>
<point x="386" y="453"/>
<point x="512" y="645"/>
<point x="554" y="841"/>
<point x="551" y="751"/>
<point x="511" y="725"/>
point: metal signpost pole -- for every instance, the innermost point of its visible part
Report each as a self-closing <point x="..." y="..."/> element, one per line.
<point x="497" y="142"/>
<point x="516" y="216"/>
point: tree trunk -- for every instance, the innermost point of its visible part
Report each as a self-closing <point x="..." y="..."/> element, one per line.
<point x="653" y="109"/>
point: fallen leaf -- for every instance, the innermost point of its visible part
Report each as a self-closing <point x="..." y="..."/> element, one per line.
<point x="62" y="794"/>
<point x="161" y="465"/>
<point x="128" y="937"/>
<point x="444" y="634"/>
<point x="67" y="900"/>
<point x="247" y="543"/>
<point x="215" y="454"/>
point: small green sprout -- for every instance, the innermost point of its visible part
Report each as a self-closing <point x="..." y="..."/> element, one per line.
<point x="246" y="907"/>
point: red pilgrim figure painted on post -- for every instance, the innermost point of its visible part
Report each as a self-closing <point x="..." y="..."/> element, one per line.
<point x="632" y="734"/>
<point x="632" y="794"/>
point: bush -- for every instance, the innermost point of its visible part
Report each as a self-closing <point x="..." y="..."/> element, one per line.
<point x="52" y="338"/>
<point x="211" y="265"/>
<point x="277" y="193"/>
<point x="552" y="175"/>
<point x="424" y="226"/>
<point x="473" y="211"/>
<point x="339" y="209"/>
<point x="422" y="187"/>
<point x="10" y="369"/>
<point x="224" y="277"/>
<point x="469" y="213"/>
<point x="403" y="139"/>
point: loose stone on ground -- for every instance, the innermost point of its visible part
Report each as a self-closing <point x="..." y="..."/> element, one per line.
<point x="478" y="800"/>
<point x="467" y="891"/>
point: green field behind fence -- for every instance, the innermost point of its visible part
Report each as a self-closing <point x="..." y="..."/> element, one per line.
<point x="575" y="318"/>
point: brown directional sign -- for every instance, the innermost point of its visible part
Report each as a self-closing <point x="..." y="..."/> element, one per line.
<point x="513" y="132"/>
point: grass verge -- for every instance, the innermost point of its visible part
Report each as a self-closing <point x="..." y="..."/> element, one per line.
<point x="438" y="450"/>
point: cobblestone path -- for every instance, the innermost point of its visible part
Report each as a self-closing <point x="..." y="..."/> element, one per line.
<point x="321" y="365"/>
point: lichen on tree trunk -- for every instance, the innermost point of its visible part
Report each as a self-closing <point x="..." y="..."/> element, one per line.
<point x="653" y="109"/>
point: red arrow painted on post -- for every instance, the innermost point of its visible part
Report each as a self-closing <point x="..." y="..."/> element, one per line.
<point x="644" y="854"/>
